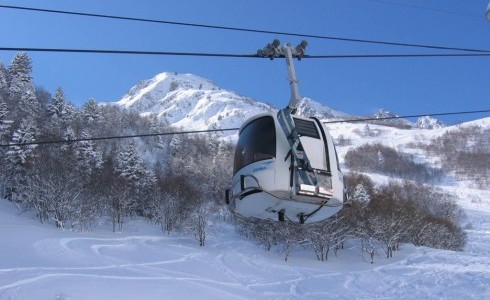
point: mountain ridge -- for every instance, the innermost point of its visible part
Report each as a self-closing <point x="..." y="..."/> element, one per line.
<point x="196" y="103"/>
<point x="185" y="100"/>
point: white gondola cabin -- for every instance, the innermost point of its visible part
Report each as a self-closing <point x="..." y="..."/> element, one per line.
<point x="286" y="166"/>
<point x="267" y="183"/>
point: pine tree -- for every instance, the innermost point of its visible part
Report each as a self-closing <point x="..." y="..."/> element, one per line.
<point x="69" y="113"/>
<point x="176" y="145"/>
<point x="18" y="154"/>
<point x="28" y="105"/>
<point x="21" y="91"/>
<point x="129" y="164"/>
<point x="68" y="134"/>
<point x="4" y="123"/>
<point x="156" y="127"/>
<point x="57" y="106"/>
<point x="16" y="159"/>
<point x="131" y="168"/>
<point x="91" y="112"/>
<point x="361" y="195"/>
<point x="88" y="158"/>
<point x="18" y="74"/>
<point x="3" y="83"/>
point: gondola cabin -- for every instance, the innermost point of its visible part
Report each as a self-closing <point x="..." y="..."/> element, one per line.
<point x="271" y="179"/>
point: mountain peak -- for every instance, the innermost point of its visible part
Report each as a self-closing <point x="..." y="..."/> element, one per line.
<point x="309" y="108"/>
<point x="428" y="122"/>
<point x="385" y="115"/>
<point x="146" y="93"/>
<point x="190" y="101"/>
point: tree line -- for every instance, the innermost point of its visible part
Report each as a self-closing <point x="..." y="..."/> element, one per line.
<point x="378" y="220"/>
<point x="173" y="181"/>
<point x="377" y="158"/>
<point x="465" y="151"/>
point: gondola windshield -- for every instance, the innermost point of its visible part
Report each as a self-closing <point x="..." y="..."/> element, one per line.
<point x="257" y="142"/>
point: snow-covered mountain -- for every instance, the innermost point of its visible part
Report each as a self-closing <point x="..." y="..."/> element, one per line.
<point x="190" y="101"/>
<point x="310" y="108"/>
<point x="193" y="102"/>
<point x="382" y="114"/>
<point x="429" y="123"/>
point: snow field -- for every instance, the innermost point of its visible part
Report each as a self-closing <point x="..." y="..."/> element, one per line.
<point x="40" y="262"/>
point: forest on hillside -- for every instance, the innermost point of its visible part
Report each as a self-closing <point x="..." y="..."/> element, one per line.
<point x="52" y="164"/>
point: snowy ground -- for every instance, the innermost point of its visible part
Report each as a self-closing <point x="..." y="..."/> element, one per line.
<point x="40" y="262"/>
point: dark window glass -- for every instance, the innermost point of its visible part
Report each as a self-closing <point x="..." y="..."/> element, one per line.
<point x="306" y="128"/>
<point x="257" y="141"/>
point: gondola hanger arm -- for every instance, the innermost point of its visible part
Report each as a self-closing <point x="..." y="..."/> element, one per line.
<point x="275" y="50"/>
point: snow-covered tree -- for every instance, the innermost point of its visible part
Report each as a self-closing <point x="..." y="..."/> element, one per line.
<point x="19" y="74"/>
<point x="22" y="97"/>
<point x="221" y="169"/>
<point x="155" y="128"/>
<point x="361" y="195"/>
<point x="18" y="154"/>
<point x="388" y="218"/>
<point x="198" y="223"/>
<point x="381" y="160"/>
<point x="60" y="192"/>
<point x="129" y="165"/>
<point x="88" y="158"/>
<point x="139" y="180"/>
<point x="4" y="122"/>
<point x="290" y="234"/>
<point x="326" y="235"/>
<point x="176" y="146"/>
<point x="91" y="112"/>
<point x="69" y="113"/>
<point x="169" y="209"/>
<point x="3" y="83"/>
<point x="58" y="108"/>
<point x="55" y="107"/>
<point x="119" y="202"/>
<point x="68" y="135"/>
<point x="17" y="159"/>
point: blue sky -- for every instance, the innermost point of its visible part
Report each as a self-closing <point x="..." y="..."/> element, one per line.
<point x="357" y="86"/>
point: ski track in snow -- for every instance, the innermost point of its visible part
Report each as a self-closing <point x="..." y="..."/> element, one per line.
<point x="92" y="265"/>
<point x="86" y="249"/>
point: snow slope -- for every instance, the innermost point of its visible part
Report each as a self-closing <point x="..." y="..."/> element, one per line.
<point x="40" y="262"/>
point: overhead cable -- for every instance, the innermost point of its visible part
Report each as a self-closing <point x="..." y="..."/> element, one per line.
<point x="303" y="35"/>
<point x="420" y="55"/>
<point x="409" y="116"/>
<point x="230" y="55"/>
<point x="137" y="52"/>
<point x="118" y="137"/>
<point x="52" y="142"/>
